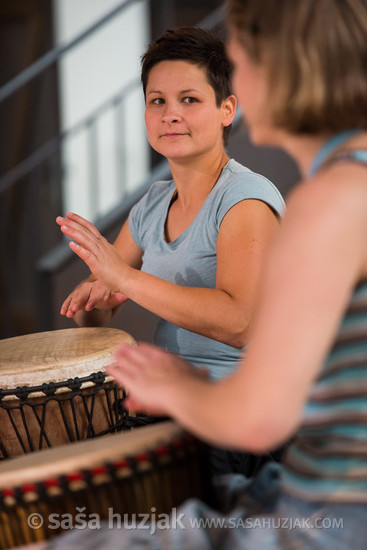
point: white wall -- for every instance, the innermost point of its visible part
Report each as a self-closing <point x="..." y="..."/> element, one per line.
<point x="94" y="71"/>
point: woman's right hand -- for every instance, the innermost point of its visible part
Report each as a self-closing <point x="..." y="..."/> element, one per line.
<point x="88" y="296"/>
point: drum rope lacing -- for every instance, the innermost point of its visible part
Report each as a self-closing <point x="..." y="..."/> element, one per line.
<point x="119" y="418"/>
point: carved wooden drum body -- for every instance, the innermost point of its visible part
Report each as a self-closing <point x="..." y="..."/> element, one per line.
<point x="53" y="388"/>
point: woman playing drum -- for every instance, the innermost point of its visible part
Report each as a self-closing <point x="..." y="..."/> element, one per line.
<point x="192" y="250"/>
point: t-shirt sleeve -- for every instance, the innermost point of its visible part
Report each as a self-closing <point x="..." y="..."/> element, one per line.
<point x="145" y="217"/>
<point x="249" y="186"/>
<point x="136" y="217"/>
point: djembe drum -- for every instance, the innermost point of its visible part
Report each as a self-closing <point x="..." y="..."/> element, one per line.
<point x="144" y="472"/>
<point x="53" y="388"/>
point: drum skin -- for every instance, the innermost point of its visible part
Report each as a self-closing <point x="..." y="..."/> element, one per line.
<point x="54" y="389"/>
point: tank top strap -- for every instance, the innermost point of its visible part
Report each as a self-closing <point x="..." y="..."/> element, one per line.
<point x="333" y="151"/>
<point x="358" y="156"/>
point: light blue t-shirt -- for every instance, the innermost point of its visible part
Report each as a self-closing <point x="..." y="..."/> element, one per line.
<point x="190" y="260"/>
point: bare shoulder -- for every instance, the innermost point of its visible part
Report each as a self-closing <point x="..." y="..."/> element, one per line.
<point x="340" y="188"/>
<point x="333" y="205"/>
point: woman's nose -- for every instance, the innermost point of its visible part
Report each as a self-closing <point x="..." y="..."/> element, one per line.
<point x="171" y="114"/>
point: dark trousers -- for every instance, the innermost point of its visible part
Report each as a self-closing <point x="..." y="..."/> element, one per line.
<point x="223" y="461"/>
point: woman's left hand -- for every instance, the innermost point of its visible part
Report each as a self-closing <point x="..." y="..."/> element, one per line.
<point x="152" y="377"/>
<point x="101" y="257"/>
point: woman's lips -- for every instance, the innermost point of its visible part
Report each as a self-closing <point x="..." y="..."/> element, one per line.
<point x="174" y="135"/>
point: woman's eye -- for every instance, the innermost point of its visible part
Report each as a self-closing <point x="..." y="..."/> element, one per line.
<point x="158" y="101"/>
<point x="189" y="100"/>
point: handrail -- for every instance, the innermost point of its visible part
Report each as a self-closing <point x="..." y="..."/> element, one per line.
<point x="53" y="144"/>
<point x="53" y="55"/>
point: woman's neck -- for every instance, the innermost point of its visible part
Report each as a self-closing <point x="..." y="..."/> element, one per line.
<point x="303" y="150"/>
<point x="195" y="180"/>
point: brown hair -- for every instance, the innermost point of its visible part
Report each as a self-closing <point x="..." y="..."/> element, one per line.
<point x="199" y="47"/>
<point x="316" y="54"/>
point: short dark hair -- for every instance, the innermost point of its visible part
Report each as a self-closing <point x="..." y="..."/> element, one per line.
<point x="199" y="47"/>
<point x="315" y="54"/>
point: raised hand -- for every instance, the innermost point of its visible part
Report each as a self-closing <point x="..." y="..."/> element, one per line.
<point x="101" y="257"/>
<point x="90" y="295"/>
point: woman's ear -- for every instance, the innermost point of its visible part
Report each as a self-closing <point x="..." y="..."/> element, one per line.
<point x="229" y="109"/>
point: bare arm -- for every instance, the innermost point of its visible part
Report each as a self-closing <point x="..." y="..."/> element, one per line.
<point x="223" y="313"/>
<point x="317" y="259"/>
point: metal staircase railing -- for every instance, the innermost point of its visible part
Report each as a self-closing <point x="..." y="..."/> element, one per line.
<point x="54" y="55"/>
<point x="28" y="75"/>
<point x="54" y="144"/>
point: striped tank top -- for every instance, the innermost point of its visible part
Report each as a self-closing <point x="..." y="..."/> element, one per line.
<point x="327" y="460"/>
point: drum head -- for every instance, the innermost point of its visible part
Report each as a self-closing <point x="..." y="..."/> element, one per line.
<point x="34" y="359"/>
<point x="86" y="455"/>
